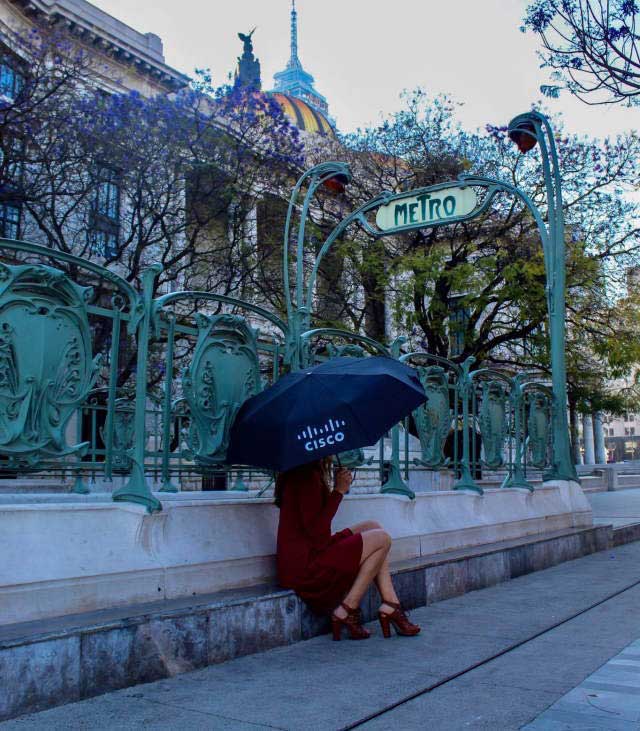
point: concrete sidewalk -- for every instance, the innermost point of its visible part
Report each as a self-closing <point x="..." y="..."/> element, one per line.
<point x="319" y="684"/>
<point x="608" y="699"/>
<point x="618" y="508"/>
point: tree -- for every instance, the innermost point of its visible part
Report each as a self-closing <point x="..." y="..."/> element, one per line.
<point x="127" y="180"/>
<point x="592" y="46"/>
<point x="490" y="269"/>
<point x="186" y="172"/>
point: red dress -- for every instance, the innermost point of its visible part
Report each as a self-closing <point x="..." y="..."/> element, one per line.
<point x="318" y="566"/>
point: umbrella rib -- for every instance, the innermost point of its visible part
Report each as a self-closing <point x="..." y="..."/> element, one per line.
<point x="349" y="407"/>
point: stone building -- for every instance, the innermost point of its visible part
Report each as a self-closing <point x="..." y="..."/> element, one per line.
<point x="128" y="61"/>
<point x="131" y="61"/>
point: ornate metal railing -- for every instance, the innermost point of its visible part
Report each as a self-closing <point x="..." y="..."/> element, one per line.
<point x="108" y="383"/>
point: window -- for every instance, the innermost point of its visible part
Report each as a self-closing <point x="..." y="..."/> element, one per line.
<point x="108" y="194"/>
<point x="629" y="431"/>
<point x="9" y="220"/>
<point x="10" y="81"/>
<point x="105" y="218"/>
<point x="611" y="432"/>
<point x="103" y="243"/>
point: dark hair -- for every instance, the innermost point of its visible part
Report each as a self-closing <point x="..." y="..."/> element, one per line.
<point x="282" y="477"/>
<point x="278" y="490"/>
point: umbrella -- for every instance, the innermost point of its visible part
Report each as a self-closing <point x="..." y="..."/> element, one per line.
<point x="342" y="404"/>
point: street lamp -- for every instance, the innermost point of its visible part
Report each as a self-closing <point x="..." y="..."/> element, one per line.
<point x="526" y="131"/>
<point x="334" y="176"/>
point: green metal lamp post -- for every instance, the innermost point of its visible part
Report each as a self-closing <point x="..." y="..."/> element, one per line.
<point x="528" y="130"/>
<point x="334" y="175"/>
<point x="449" y="203"/>
<point x="298" y="312"/>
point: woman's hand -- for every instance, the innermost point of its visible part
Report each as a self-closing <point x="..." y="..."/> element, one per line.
<point x="344" y="479"/>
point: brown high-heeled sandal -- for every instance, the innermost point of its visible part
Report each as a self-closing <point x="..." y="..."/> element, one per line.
<point x="353" y="622"/>
<point x="401" y="623"/>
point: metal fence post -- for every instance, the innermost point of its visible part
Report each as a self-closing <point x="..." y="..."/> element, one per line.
<point x="136" y="490"/>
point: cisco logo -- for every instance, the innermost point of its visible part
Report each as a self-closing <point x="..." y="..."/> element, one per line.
<point x="323" y="436"/>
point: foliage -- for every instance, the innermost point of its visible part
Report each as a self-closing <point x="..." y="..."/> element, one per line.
<point x="186" y="167"/>
<point x="592" y="46"/>
<point x="492" y="268"/>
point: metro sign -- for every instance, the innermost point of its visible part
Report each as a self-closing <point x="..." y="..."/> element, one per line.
<point x="426" y="208"/>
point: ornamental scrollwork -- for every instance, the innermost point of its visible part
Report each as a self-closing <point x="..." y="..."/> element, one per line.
<point x="493" y="423"/>
<point x="46" y="364"/>
<point x="433" y="419"/>
<point x="223" y="374"/>
<point x="539" y="428"/>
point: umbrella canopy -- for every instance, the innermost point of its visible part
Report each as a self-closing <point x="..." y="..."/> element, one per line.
<point x="342" y="404"/>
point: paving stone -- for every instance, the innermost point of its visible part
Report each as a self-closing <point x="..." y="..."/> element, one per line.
<point x="166" y="647"/>
<point x="242" y="629"/>
<point x="461" y="705"/>
<point x="445" y="581"/>
<point x="109" y="713"/>
<point x="33" y="678"/>
<point x="556" y="719"/>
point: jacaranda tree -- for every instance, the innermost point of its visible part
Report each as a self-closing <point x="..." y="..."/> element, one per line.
<point x="592" y="46"/>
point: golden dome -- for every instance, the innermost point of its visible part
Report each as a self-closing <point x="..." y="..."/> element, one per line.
<point x="303" y="115"/>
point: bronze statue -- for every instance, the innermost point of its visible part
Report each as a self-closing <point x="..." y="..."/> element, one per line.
<point x="248" y="45"/>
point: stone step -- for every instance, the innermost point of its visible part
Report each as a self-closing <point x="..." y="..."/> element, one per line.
<point x="21" y="486"/>
<point x="59" y="660"/>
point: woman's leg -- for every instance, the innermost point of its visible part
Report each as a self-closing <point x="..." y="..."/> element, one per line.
<point x="383" y="578"/>
<point x="375" y="547"/>
<point x="365" y="526"/>
<point x="385" y="587"/>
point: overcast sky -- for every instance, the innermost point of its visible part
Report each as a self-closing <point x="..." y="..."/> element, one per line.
<point x="363" y="53"/>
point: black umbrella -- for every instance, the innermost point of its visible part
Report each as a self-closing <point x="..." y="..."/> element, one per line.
<point x="342" y="404"/>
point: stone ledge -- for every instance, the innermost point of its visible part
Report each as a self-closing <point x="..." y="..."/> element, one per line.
<point x="107" y="554"/>
<point x="626" y="534"/>
<point x="59" y="660"/>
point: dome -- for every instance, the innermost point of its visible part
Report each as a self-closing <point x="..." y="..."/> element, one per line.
<point x="304" y="116"/>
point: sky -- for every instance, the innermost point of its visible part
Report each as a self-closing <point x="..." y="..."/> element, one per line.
<point x="364" y="53"/>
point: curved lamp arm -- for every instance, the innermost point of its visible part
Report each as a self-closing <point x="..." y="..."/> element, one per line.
<point x="318" y="174"/>
<point x="357" y="215"/>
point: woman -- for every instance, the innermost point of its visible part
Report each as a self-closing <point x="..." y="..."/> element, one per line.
<point x="332" y="572"/>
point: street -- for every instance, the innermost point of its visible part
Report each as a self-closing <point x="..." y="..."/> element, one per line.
<point x="491" y="659"/>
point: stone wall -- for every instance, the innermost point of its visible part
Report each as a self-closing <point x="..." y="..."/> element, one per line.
<point x="72" y="555"/>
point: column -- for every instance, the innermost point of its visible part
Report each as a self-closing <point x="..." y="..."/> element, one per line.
<point x="587" y="436"/>
<point x="575" y="437"/>
<point x="598" y="438"/>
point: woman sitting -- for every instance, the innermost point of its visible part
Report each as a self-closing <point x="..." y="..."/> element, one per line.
<point x="332" y="572"/>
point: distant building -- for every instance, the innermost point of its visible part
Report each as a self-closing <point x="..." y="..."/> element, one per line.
<point x="294" y="83"/>
<point x="138" y="58"/>
<point x="294" y="88"/>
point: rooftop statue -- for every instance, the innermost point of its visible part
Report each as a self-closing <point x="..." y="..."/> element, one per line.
<point x="247" y="74"/>
<point x="248" y="45"/>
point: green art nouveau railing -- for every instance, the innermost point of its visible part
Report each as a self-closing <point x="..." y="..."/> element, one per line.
<point x="100" y="380"/>
<point x="103" y="380"/>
